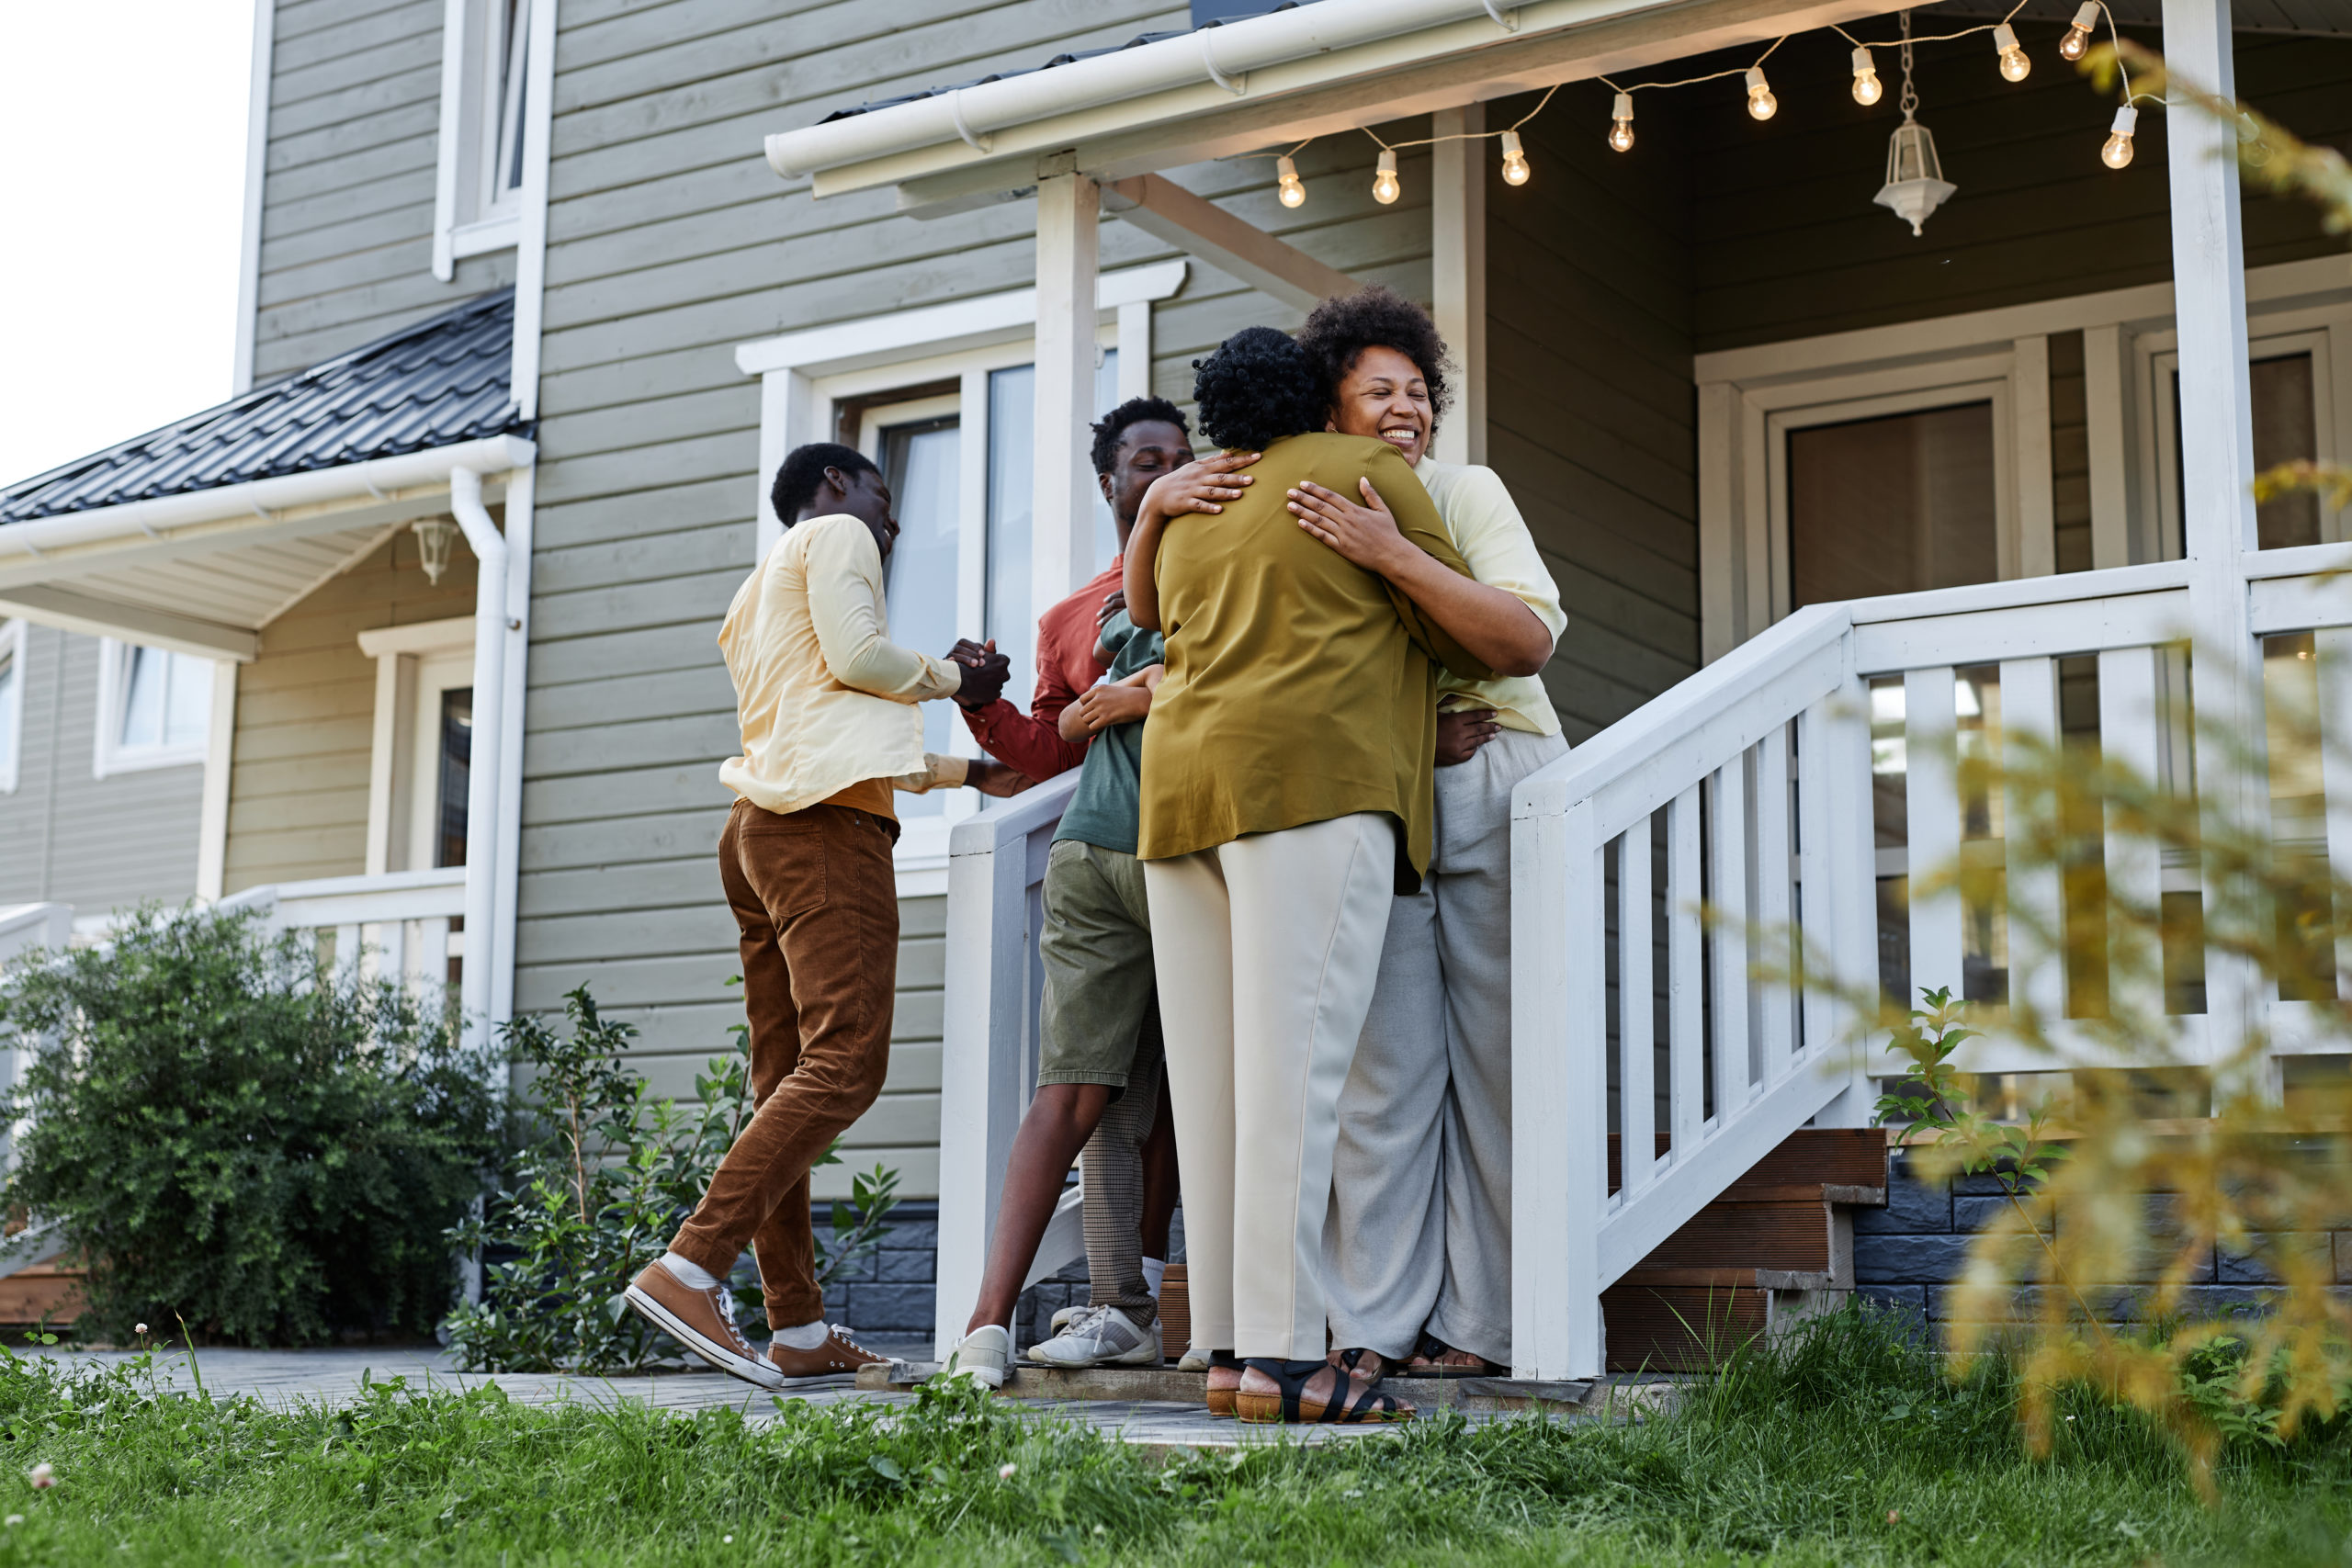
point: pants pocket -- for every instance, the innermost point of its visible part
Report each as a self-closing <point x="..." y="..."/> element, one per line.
<point x="783" y="860"/>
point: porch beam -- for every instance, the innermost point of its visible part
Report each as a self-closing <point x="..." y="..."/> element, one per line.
<point x="2216" y="478"/>
<point x="1199" y="227"/>
<point x="1458" y="273"/>
<point x="150" y="628"/>
<point x="1061" y="538"/>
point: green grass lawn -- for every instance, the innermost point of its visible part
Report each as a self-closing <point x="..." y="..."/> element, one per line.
<point x="1852" y="1449"/>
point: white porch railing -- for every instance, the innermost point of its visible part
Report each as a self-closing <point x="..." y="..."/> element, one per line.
<point x="1752" y="783"/>
<point x="996" y="868"/>
<point x="396" y="926"/>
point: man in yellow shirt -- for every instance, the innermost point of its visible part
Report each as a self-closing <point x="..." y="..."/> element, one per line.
<point x="827" y="709"/>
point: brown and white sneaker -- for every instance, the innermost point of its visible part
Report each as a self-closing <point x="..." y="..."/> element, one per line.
<point x="837" y="1355"/>
<point x="703" y="1321"/>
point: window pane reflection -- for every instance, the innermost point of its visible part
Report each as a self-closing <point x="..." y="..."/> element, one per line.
<point x="920" y="463"/>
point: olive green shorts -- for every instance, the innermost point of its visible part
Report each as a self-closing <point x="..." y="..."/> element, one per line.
<point x="1099" y="1023"/>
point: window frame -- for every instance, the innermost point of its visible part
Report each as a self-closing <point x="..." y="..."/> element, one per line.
<point x="109" y="755"/>
<point x="13" y="644"/>
<point x="482" y="125"/>
<point x="2324" y="335"/>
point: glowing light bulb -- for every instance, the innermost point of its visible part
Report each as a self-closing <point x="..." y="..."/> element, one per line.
<point x="1760" y="101"/>
<point x="1868" y="89"/>
<point x="1384" y="189"/>
<point x="2117" y="151"/>
<point x="2078" y="36"/>
<point x="1621" y="127"/>
<point x="1515" y="169"/>
<point x="1292" y="189"/>
<point x="2015" y="66"/>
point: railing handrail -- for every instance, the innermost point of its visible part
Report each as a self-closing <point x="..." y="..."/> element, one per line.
<point x="1010" y="821"/>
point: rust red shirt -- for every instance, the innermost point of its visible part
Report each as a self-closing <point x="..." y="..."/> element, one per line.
<point x="1032" y="741"/>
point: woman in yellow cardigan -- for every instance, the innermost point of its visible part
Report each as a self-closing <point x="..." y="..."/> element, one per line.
<point x="1287" y="799"/>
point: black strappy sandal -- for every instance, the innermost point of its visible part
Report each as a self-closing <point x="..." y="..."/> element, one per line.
<point x="1290" y="1404"/>
<point x="1430" y="1347"/>
<point x="1220" y="1400"/>
<point x="1353" y="1357"/>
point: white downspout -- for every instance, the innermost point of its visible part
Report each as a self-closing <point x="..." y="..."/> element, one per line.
<point x="482" y="766"/>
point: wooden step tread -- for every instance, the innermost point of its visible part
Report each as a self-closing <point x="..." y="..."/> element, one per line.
<point x="1648" y="1277"/>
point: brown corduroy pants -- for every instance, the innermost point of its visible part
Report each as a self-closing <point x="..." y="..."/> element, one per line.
<point x="816" y="900"/>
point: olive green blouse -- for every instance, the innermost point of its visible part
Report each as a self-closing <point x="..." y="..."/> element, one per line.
<point x="1299" y="687"/>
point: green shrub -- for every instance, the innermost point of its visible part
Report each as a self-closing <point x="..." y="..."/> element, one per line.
<point x="228" y="1129"/>
<point x="606" y="1180"/>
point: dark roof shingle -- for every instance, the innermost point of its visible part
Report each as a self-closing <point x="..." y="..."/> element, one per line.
<point x="440" y="383"/>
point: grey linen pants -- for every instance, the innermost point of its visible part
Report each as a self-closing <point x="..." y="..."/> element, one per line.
<point x="1419" y="1228"/>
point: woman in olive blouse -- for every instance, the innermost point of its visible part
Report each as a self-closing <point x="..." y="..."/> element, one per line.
<point x="1286" y="797"/>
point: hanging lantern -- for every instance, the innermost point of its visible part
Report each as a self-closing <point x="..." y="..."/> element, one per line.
<point x="432" y="537"/>
<point x="1915" y="184"/>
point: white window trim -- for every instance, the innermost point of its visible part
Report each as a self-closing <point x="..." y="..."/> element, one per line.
<point x="109" y="756"/>
<point x="394" y="764"/>
<point x="1741" y="566"/>
<point x="474" y="130"/>
<point x="12" y="744"/>
<point x="805" y="376"/>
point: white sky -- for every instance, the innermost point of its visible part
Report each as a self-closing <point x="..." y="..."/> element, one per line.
<point x="122" y="169"/>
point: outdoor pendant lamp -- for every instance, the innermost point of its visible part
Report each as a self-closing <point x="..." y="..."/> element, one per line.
<point x="432" y="537"/>
<point x="1915" y="184"/>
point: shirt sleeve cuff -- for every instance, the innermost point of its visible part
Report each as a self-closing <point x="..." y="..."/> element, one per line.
<point x="940" y="678"/>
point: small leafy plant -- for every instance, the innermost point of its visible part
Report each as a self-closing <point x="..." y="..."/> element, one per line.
<point x="608" y="1173"/>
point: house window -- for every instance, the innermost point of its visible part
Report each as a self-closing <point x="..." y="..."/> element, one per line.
<point x="453" y="767"/>
<point x="12" y="701"/>
<point x="485" y="93"/>
<point x="155" y="708"/>
<point x="1893" y="504"/>
<point x="920" y="460"/>
<point x="2288" y="401"/>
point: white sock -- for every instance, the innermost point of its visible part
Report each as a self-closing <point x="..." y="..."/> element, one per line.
<point x="807" y="1337"/>
<point x="694" y="1276"/>
<point x="1155" y="1269"/>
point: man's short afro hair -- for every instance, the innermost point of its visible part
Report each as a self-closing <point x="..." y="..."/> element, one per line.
<point x="803" y="474"/>
<point x="1342" y="328"/>
<point x="1135" y="410"/>
<point x="1256" y="388"/>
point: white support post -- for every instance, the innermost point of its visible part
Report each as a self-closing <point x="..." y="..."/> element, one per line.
<point x="1931" y="795"/>
<point x="1851" y="900"/>
<point x="2216" y="485"/>
<point x="1061" y="543"/>
<point x="220" y="759"/>
<point x="1458" y="274"/>
<point x="2037" y="910"/>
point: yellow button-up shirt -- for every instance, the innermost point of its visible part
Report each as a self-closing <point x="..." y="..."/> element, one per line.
<point x="1486" y="528"/>
<point x="824" y="699"/>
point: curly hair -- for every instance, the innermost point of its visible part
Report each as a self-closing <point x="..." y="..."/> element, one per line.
<point x="802" y="474"/>
<point x="1340" y="328"/>
<point x="1256" y="388"/>
<point x="1135" y="410"/>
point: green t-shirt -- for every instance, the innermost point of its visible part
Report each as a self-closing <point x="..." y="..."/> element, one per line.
<point x="1103" y="808"/>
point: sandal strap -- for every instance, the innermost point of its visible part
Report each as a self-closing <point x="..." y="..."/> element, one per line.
<point x="1290" y="1377"/>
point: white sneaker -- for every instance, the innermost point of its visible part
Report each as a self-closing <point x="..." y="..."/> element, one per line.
<point x="1195" y="1360"/>
<point x="983" y="1356"/>
<point x="1101" y="1337"/>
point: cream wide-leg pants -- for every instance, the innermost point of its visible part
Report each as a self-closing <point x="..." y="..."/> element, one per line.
<point x="1267" y="949"/>
<point x="1419" y="1230"/>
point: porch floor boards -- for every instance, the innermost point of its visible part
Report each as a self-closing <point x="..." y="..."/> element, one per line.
<point x="333" y="1377"/>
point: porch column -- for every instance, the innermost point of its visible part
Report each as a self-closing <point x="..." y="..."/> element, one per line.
<point x="1458" y="275"/>
<point x="2217" y="470"/>
<point x="1061" y="538"/>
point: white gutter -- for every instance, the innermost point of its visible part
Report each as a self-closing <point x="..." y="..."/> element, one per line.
<point x="257" y="498"/>
<point x="1224" y="55"/>
<point x="484" y="790"/>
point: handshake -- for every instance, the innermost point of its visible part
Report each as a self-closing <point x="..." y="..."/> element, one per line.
<point x="985" y="671"/>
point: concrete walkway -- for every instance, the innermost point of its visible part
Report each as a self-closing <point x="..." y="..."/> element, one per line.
<point x="335" y="1377"/>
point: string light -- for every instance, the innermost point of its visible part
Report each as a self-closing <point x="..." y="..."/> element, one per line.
<point x="1384" y="189"/>
<point x="2015" y="65"/>
<point x="2117" y="153"/>
<point x="2078" y="36"/>
<point x="1761" y="104"/>
<point x="1868" y="89"/>
<point x="1293" y="188"/>
<point x="1620" y="128"/>
<point x="1515" y="170"/>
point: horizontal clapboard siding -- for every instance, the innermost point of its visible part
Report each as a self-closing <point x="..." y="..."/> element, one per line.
<point x="670" y="241"/>
<point x="306" y="718"/>
<point x="347" y="251"/>
<point x="98" y="844"/>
